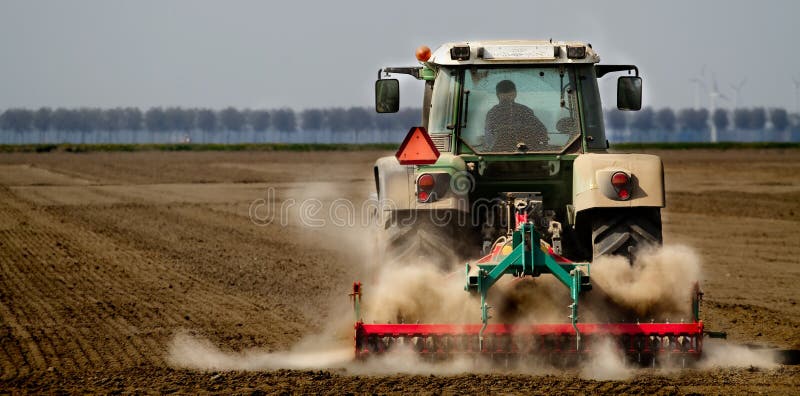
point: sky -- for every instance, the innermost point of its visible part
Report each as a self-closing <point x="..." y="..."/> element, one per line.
<point x="303" y="54"/>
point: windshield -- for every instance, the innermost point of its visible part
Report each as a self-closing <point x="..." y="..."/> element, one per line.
<point x="520" y="110"/>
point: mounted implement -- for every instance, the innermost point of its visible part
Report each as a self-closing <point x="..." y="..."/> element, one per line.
<point x="527" y="255"/>
<point x="511" y="165"/>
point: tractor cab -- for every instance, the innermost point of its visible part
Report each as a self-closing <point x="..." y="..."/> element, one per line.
<point x="516" y="113"/>
<point x="512" y="98"/>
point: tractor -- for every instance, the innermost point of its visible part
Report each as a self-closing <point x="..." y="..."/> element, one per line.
<point x="510" y="172"/>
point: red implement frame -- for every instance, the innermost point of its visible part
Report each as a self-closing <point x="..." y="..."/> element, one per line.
<point x="649" y="339"/>
<point x="645" y="342"/>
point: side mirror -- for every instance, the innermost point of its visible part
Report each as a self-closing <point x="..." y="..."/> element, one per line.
<point x="387" y="96"/>
<point x="629" y="93"/>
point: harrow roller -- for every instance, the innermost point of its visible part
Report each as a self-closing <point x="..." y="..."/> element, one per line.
<point x="547" y="341"/>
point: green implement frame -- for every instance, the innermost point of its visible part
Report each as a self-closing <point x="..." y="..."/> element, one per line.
<point x="528" y="258"/>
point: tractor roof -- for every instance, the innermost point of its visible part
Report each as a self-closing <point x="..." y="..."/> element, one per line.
<point x="492" y="52"/>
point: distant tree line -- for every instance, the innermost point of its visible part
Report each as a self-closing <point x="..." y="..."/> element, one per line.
<point x="669" y="120"/>
<point x="159" y="119"/>
<point x="353" y="119"/>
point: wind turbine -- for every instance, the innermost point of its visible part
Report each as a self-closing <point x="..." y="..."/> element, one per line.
<point x="796" y="95"/>
<point x="698" y="82"/>
<point x="737" y="89"/>
<point x="713" y="95"/>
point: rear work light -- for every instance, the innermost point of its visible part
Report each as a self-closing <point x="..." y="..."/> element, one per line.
<point x="459" y="52"/>
<point x="622" y="184"/>
<point x="425" y="185"/>
<point x="578" y="52"/>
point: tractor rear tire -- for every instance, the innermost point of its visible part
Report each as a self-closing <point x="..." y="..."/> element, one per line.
<point x="408" y="238"/>
<point x="624" y="232"/>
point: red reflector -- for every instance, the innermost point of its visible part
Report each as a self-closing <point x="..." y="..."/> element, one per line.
<point x="417" y="148"/>
<point x="425" y="182"/>
<point x="422" y="196"/>
<point x="619" y="179"/>
<point x="623" y="194"/>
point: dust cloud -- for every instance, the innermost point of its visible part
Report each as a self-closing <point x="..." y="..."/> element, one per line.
<point x="717" y="353"/>
<point x="403" y="360"/>
<point x="196" y="353"/>
<point x="660" y="283"/>
<point x="658" y="286"/>
<point x="419" y="293"/>
<point x="606" y="363"/>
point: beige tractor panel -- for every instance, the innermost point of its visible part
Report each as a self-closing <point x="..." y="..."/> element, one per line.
<point x="397" y="185"/>
<point x="455" y="193"/>
<point x="591" y="181"/>
<point x="394" y="191"/>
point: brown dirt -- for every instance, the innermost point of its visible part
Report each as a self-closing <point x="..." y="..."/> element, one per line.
<point x="105" y="256"/>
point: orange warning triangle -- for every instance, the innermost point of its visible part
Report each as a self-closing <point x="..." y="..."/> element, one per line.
<point x="417" y="148"/>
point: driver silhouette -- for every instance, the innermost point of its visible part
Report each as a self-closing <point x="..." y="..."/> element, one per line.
<point x="511" y="126"/>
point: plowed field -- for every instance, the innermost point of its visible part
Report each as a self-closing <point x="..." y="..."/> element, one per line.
<point x="105" y="257"/>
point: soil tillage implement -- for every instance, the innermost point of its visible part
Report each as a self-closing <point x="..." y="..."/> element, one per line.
<point x="526" y="254"/>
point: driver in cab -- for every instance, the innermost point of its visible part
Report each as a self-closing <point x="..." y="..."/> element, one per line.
<point x="511" y="126"/>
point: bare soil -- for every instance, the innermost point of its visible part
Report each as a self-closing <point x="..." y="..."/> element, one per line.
<point x="104" y="257"/>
